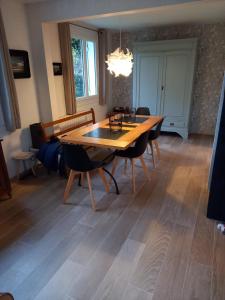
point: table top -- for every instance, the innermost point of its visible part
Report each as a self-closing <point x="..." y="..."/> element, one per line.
<point x="99" y="134"/>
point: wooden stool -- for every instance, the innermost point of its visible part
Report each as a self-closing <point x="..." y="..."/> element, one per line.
<point x="23" y="157"/>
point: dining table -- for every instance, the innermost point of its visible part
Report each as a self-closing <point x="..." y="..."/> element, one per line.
<point x="101" y="135"/>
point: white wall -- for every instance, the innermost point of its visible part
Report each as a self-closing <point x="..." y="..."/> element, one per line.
<point x="14" y="19"/>
<point x="55" y="83"/>
<point x="52" y="54"/>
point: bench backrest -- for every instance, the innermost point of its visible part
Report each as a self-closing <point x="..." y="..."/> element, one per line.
<point x="75" y="122"/>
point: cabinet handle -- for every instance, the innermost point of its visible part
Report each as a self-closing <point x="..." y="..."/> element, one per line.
<point x="162" y="87"/>
<point x="171" y="124"/>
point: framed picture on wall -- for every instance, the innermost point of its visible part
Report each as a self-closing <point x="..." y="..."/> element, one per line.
<point x="20" y="63"/>
<point x="57" y="69"/>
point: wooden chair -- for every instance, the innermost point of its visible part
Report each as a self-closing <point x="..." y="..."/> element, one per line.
<point x="77" y="159"/>
<point x="133" y="153"/>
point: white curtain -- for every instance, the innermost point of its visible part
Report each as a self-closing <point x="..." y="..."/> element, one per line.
<point x="67" y="66"/>
<point x="104" y="76"/>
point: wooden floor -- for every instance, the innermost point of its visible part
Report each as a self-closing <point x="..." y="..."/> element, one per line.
<point x="156" y="244"/>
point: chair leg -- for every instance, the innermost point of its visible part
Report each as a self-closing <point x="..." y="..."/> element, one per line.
<point x="145" y="168"/>
<point x="102" y="175"/>
<point x="91" y="192"/>
<point x="115" y="161"/>
<point x="69" y="184"/>
<point x="82" y="179"/>
<point x="125" y="166"/>
<point x="152" y="151"/>
<point x="133" y="175"/>
<point x="157" y="148"/>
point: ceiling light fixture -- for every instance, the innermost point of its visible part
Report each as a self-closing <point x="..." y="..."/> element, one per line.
<point x="119" y="62"/>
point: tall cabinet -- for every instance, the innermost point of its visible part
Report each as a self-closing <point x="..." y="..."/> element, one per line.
<point x="162" y="81"/>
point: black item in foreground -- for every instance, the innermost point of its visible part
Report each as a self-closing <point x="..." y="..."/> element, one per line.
<point x="216" y="204"/>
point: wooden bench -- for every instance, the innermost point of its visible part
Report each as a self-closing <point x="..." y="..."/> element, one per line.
<point x="89" y="118"/>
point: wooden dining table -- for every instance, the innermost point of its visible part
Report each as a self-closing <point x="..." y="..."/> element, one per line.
<point x="100" y="134"/>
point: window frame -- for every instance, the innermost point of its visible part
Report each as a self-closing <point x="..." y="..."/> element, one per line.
<point x="87" y="35"/>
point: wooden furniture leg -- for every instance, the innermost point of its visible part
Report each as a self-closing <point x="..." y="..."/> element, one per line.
<point x="157" y="148"/>
<point x="133" y="175"/>
<point x="114" y="165"/>
<point x="102" y="175"/>
<point x="125" y="166"/>
<point x="91" y="192"/>
<point x="69" y="184"/>
<point x="82" y="179"/>
<point x="152" y="151"/>
<point x="144" y="168"/>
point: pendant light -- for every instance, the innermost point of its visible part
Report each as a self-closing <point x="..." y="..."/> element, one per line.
<point x="120" y="62"/>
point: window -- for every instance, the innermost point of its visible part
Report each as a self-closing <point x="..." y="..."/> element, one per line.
<point x="84" y="51"/>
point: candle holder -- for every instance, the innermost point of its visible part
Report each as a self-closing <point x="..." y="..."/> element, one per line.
<point x="131" y="116"/>
<point x="115" y="122"/>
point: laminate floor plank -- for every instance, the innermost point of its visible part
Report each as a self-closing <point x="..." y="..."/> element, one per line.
<point x="120" y="272"/>
<point x="134" y="293"/>
<point x="50" y="240"/>
<point x="36" y="281"/>
<point x="102" y="260"/>
<point x="197" y="284"/>
<point x="61" y="282"/>
<point x="142" y="229"/>
<point x="202" y="244"/>
<point x="171" y="279"/>
<point x="150" y="263"/>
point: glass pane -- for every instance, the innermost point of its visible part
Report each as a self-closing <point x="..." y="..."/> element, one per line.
<point x="78" y="63"/>
<point x="91" y="68"/>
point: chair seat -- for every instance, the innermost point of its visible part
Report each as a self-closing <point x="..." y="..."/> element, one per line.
<point x="128" y="153"/>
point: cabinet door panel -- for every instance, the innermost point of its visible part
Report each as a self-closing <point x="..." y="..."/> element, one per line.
<point x="149" y="82"/>
<point x="176" y="68"/>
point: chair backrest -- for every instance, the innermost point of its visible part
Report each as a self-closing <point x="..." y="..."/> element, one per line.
<point x="141" y="144"/>
<point x="143" y="111"/>
<point x="76" y="158"/>
<point x="79" y="119"/>
<point x="154" y="134"/>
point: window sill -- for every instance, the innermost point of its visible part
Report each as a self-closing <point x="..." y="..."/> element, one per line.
<point x="81" y="99"/>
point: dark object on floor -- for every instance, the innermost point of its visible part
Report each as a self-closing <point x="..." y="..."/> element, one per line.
<point x="216" y="205"/>
<point x="4" y="176"/>
<point x="50" y="154"/>
<point x="6" y="296"/>
<point x="77" y="159"/>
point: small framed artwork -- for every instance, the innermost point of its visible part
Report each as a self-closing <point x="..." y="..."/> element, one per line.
<point x="57" y="69"/>
<point x="20" y="63"/>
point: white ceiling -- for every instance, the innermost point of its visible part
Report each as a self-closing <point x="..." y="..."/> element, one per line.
<point x="196" y="12"/>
